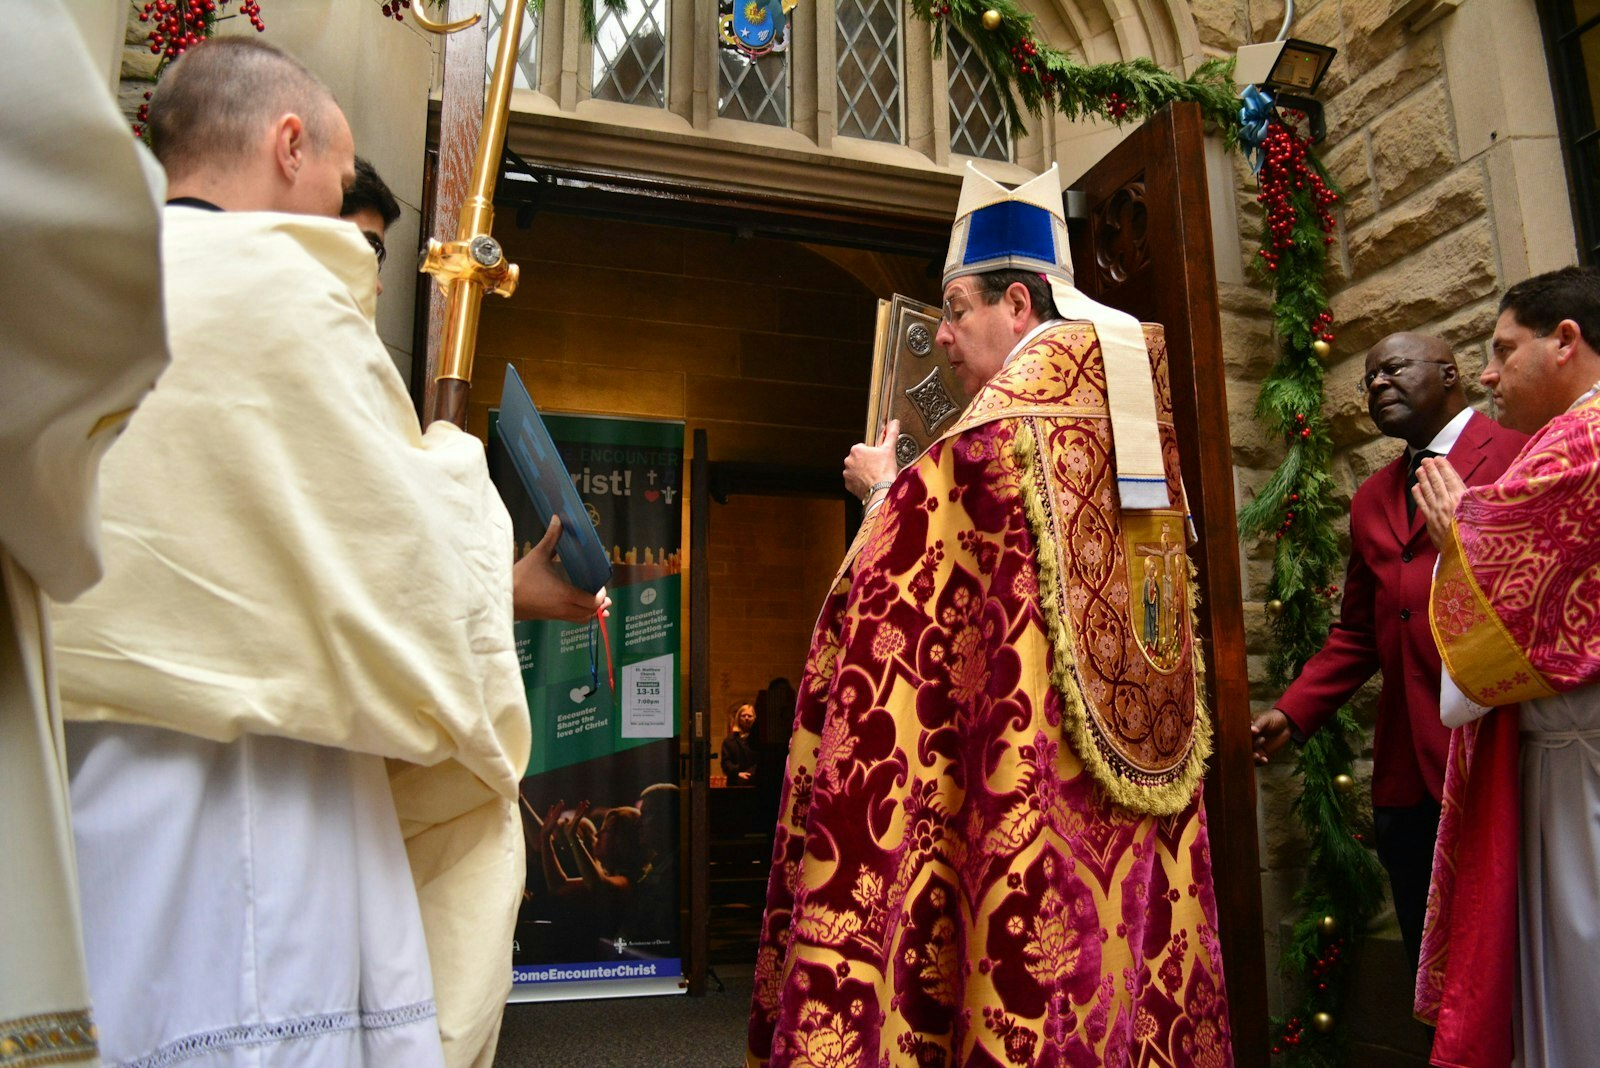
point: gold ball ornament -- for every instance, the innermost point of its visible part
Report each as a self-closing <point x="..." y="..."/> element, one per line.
<point x="1323" y="1022"/>
<point x="1328" y="925"/>
<point x="1321" y="348"/>
<point x="991" y="19"/>
<point x="1274" y="608"/>
<point x="1344" y="783"/>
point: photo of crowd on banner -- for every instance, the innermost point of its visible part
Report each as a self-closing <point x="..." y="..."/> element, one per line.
<point x="602" y="873"/>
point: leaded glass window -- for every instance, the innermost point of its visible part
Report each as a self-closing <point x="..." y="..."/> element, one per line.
<point x="527" y="74"/>
<point x="630" y="53"/>
<point x="977" y="117"/>
<point x="1572" y="37"/>
<point x="868" y="68"/>
<point x="755" y="89"/>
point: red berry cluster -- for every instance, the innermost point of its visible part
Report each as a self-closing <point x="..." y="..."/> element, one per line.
<point x="1284" y="175"/>
<point x="942" y="10"/>
<point x="1322" y="968"/>
<point x="1023" y="52"/>
<point x="178" y="24"/>
<point x="1289" y="502"/>
<point x="143" y="117"/>
<point x="1322" y="325"/>
<point x="181" y="24"/>
<point x="1116" y="107"/>
<point x="1288" y="515"/>
<point x="392" y="9"/>
<point x="1293" y="1032"/>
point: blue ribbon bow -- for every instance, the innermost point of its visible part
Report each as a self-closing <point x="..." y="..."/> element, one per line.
<point x="1253" y="119"/>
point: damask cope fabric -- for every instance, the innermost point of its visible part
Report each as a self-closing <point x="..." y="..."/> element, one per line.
<point x="953" y="883"/>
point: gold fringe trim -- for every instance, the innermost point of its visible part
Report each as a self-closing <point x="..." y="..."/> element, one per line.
<point x="1156" y="799"/>
<point x="49" y="1038"/>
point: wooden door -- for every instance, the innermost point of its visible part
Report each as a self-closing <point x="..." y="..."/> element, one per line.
<point x="1146" y="248"/>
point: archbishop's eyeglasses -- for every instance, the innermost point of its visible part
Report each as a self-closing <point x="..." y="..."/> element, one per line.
<point x="377" y="247"/>
<point x="1389" y="370"/>
<point x="950" y="314"/>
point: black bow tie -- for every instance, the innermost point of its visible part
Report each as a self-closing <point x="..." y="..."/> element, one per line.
<point x="1411" y="479"/>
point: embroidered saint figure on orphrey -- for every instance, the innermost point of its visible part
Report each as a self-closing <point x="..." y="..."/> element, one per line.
<point x="991" y="848"/>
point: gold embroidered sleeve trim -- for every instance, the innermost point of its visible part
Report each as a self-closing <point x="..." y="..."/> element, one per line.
<point x="1474" y="644"/>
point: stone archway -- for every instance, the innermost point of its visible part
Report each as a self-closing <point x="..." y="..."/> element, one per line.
<point x="1101" y="31"/>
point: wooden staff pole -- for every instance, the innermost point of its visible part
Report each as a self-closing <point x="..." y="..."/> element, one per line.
<point x="473" y="264"/>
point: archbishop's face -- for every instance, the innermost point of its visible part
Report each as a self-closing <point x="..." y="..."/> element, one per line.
<point x="978" y="336"/>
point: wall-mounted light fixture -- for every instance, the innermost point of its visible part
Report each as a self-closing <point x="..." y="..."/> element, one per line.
<point x="1290" y="70"/>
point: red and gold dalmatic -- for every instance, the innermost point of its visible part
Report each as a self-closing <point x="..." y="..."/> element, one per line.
<point x="1516" y="601"/>
<point x="1515" y="610"/>
<point x="991" y="848"/>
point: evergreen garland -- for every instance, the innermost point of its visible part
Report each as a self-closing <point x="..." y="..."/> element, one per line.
<point x="1031" y="76"/>
<point x="1344" y="886"/>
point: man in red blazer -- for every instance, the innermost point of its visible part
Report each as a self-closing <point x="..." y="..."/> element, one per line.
<point x="1415" y="393"/>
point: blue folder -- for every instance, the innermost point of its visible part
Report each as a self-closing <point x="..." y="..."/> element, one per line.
<point x="543" y="474"/>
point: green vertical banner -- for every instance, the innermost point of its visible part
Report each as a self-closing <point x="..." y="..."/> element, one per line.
<point x="600" y="794"/>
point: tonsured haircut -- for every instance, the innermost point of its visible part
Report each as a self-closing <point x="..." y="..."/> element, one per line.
<point x="215" y="100"/>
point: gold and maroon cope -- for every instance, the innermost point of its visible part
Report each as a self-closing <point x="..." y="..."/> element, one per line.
<point x="473" y="264"/>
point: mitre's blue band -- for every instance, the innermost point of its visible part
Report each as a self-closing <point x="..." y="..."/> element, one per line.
<point x="1010" y="228"/>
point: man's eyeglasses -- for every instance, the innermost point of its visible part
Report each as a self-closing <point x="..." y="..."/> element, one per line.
<point x="377" y="247"/>
<point x="949" y="315"/>
<point x="1390" y="370"/>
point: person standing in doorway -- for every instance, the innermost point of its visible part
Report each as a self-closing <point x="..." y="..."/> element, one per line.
<point x="1414" y="394"/>
<point x="738" y="757"/>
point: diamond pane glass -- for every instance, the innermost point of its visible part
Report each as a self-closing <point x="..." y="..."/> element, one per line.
<point x="868" y="68"/>
<point x="755" y="90"/>
<point x="977" y="117"/>
<point x="527" y="74"/>
<point x="630" y="54"/>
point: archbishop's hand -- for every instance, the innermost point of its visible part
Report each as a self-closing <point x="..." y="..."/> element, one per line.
<point x="1439" y="490"/>
<point x="1268" y="732"/>
<point x="540" y="590"/>
<point x="870" y="464"/>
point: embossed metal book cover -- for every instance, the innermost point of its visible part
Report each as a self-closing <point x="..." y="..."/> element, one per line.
<point x="911" y="378"/>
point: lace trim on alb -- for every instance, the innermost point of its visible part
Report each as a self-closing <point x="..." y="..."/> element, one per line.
<point x="406" y="1014"/>
<point x="261" y="1034"/>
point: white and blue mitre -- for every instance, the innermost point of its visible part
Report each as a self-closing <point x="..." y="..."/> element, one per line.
<point x="1025" y="229"/>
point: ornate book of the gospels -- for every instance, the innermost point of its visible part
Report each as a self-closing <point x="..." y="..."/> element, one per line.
<point x="911" y="378"/>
